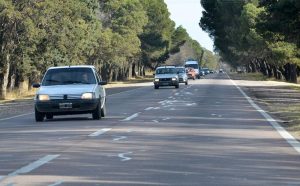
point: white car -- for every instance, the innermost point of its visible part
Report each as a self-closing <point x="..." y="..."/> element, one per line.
<point x="182" y="75"/>
<point x="166" y="76"/>
<point x="70" y="90"/>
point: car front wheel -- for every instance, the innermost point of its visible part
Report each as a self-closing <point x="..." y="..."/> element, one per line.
<point x="156" y="86"/>
<point x="39" y="116"/>
<point x="97" y="112"/>
<point x="103" y="111"/>
<point x="49" y="116"/>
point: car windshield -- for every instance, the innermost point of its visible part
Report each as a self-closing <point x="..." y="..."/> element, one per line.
<point x="181" y="70"/>
<point x="195" y="66"/>
<point x="166" y="71"/>
<point x="65" y="76"/>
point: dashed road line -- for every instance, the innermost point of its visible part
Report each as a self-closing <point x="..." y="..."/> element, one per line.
<point x="30" y="167"/>
<point x="131" y="117"/>
<point x="155" y="121"/>
<point x="99" y="132"/>
<point x="149" y="108"/>
<point x="4" y="119"/>
<point x="118" y="138"/>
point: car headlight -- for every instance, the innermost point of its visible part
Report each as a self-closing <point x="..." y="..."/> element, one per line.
<point x="87" y="95"/>
<point x="43" y="97"/>
<point x="174" y="79"/>
<point x="156" y="80"/>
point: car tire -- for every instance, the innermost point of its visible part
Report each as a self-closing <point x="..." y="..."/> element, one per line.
<point x="177" y="86"/>
<point x="97" y="112"/>
<point x="49" y="116"/>
<point x="156" y="87"/>
<point x="39" y="116"/>
<point x="186" y="83"/>
<point x="103" y="111"/>
<point x="194" y="78"/>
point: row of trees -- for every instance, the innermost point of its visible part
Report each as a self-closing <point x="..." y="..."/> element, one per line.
<point x="262" y="35"/>
<point x="120" y="37"/>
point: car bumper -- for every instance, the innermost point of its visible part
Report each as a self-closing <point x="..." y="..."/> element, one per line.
<point x="60" y="107"/>
<point x="182" y="80"/>
<point x="166" y="83"/>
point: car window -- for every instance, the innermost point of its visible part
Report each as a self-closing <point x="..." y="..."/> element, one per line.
<point x="65" y="76"/>
<point x="166" y="71"/>
<point x="181" y="70"/>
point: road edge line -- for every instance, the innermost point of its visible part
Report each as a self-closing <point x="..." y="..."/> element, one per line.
<point x="283" y="133"/>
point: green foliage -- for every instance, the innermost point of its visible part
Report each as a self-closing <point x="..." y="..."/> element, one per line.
<point x="247" y="30"/>
<point x="157" y="35"/>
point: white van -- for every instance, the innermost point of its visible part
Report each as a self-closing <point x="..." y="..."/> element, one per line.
<point x="193" y="64"/>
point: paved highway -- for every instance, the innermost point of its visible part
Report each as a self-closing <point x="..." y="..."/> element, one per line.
<point x="206" y="133"/>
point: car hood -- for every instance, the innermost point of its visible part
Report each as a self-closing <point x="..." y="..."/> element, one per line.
<point x="166" y="75"/>
<point x="66" y="89"/>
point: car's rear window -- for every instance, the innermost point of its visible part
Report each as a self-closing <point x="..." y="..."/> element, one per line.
<point x="181" y="70"/>
<point x="166" y="71"/>
<point x="66" y="76"/>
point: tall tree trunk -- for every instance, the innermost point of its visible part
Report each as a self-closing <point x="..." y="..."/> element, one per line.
<point x="293" y="73"/>
<point x="4" y="78"/>
<point x="130" y="71"/>
<point x="270" y="72"/>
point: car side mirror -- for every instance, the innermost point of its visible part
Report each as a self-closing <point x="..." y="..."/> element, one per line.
<point x="102" y="83"/>
<point x="153" y="74"/>
<point x="36" y="85"/>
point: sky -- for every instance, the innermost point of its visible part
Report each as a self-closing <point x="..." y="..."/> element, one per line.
<point x="188" y="13"/>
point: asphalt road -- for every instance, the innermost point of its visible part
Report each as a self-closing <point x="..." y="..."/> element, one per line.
<point x="206" y="133"/>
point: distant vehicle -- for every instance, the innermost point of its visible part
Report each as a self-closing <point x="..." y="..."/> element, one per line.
<point x="166" y="76"/>
<point x="191" y="72"/>
<point x="70" y="90"/>
<point x="206" y="71"/>
<point x="195" y="65"/>
<point x="183" y="78"/>
<point x="221" y="71"/>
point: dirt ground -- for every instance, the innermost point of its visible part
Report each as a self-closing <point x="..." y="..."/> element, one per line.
<point x="280" y="99"/>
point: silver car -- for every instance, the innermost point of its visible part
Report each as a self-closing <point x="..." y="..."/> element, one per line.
<point x="70" y="90"/>
<point x="166" y="76"/>
<point x="183" y="78"/>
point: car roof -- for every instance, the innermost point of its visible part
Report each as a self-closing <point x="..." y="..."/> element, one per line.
<point x="73" y="66"/>
<point x="165" y="67"/>
<point x="180" y="67"/>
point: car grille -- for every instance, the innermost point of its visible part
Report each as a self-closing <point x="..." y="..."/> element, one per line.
<point x="180" y="79"/>
<point x="165" y="79"/>
<point x="65" y="96"/>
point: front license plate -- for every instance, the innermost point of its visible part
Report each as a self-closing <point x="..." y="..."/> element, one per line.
<point x="65" y="105"/>
<point x="165" y="83"/>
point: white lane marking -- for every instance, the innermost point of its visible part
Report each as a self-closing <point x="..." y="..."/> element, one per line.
<point x="4" y="119"/>
<point x="213" y="114"/>
<point x="34" y="165"/>
<point x="131" y="117"/>
<point x="99" y="132"/>
<point x="166" y="119"/>
<point x="155" y="121"/>
<point x="156" y="108"/>
<point x="130" y="130"/>
<point x="190" y="104"/>
<point x="149" y="108"/>
<point x="118" y="138"/>
<point x="56" y="183"/>
<point x="286" y="135"/>
<point x="123" y="157"/>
